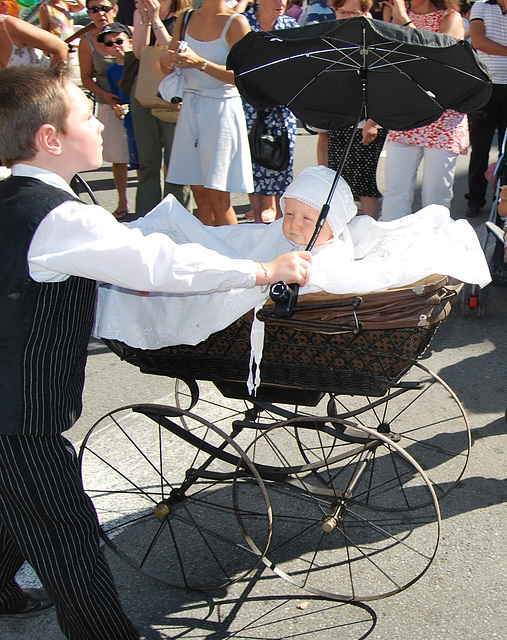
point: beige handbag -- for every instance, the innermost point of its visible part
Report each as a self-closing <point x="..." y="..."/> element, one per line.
<point x="148" y="78"/>
<point x="167" y="115"/>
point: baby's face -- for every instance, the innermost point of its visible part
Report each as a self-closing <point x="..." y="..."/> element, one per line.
<point x="299" y="223"/>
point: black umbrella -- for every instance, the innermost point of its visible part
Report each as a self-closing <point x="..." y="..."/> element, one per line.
<point x="330" y="73"/>
<point x="334" y="74"/>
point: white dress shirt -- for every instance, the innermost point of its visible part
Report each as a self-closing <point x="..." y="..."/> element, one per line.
<point x="85" y="240"/>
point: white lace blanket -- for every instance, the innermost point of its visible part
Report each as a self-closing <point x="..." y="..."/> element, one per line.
<point x="369" y="256"/>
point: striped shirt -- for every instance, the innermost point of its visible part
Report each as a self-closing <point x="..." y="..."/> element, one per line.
<point x="318" y="11"/>
<point x="495" y="25"/>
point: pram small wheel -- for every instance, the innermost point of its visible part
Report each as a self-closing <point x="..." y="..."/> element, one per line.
<point x="163" y="495"/>
<point x="481" y="309"/>
<point x="472" y="301"/>
<point x="464" y="307"/>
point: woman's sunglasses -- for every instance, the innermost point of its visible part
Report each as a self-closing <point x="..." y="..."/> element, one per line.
<point x="112" y="42"/>
<point x="97" y="9"/>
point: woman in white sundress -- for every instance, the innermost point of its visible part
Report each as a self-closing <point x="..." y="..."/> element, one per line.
<point x="210" y="150"/>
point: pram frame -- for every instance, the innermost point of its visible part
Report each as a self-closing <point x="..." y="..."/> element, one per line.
<point x="326" y="477"/>
<point x="306" y="473"/>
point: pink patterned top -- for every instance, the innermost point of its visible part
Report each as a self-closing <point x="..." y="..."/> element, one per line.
<point x="450" y="131"/>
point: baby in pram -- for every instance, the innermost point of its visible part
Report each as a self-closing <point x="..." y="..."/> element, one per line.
<point x="353" y="254"/>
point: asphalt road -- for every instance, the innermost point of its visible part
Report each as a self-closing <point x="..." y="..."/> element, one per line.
<point x="463" y="594"/>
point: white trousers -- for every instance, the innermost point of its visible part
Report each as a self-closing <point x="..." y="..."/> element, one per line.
<point x="401" y="166"/>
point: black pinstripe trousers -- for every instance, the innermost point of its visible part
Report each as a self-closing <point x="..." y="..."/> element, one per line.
<point x="47" y="519"/>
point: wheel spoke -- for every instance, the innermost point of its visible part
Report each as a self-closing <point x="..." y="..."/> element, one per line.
<point x="334" y="544"/>
<point x="167" y="506"/>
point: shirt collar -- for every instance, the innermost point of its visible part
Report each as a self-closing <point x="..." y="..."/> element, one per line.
<point x="53" y="179"/>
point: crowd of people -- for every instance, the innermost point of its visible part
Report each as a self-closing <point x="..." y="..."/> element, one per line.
<point x="211" y="162"/>
<point x="56" y="248"/>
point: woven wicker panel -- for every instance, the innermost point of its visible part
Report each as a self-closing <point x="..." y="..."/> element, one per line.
<point x="342" y="362"/>
<point x="301" y="353"/>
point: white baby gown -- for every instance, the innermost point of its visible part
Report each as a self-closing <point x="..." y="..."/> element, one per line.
<point x="367" y="256"/>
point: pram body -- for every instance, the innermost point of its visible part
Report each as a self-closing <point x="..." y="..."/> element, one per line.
<point x="332" y="344"/>
<point x="330" y="475"/>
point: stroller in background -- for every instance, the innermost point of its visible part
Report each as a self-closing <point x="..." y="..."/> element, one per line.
<point x="497" y="265"/>
<point x="473" y="298"/>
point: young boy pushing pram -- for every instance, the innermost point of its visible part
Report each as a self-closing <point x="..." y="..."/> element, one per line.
<point x="53" y="249"/>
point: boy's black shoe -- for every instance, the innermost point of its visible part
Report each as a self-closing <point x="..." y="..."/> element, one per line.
<point x="32" y="603"/>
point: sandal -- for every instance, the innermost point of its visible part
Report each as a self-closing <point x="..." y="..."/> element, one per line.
<point x="267" y="218"/>
<point x="119" y="215"/>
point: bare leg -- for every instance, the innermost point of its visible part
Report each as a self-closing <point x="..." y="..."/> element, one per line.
<point x="264" y="207"/>
<point x="279" y="213"/>
<point x="256" y="200"/>
<point x="204" y="209"/>
<point x="268" y="213"/>
<point x="322" y="148"/>
<point x="223" y="212"/>
<point x="120" y="174"/>
<point x="370" y="206"/>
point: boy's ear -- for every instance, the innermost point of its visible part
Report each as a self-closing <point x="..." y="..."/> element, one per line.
<point x="48" y="140"/>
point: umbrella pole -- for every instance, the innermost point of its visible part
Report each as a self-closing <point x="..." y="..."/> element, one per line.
<point x="325" y="207"/>
<point x="285" y="295"/>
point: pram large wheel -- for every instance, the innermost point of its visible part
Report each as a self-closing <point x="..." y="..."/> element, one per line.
<point x="326" y="537"/>
<point x="426" y="418"/>
<point x="162" y="492"/>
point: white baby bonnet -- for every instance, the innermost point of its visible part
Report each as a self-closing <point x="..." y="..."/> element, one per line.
<point x="312" y="186"/>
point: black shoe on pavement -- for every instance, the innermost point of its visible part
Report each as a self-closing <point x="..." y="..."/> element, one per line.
<point x="32" y="603"/>
<point x="472" y="210"/>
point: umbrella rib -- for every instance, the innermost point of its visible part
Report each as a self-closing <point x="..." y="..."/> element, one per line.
<point x="306" y="54"/>
<point x="305" y="87"/>
<point x="428" y="93"/>
<point x="332" y="62"/>
<point x="409" y="57"/>
<point x="313" y="54"/>
<point x="382" y="63"/>
<point x="347" y="58"/>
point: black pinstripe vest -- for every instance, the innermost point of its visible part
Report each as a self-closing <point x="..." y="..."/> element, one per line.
<point x="44" y="327"/>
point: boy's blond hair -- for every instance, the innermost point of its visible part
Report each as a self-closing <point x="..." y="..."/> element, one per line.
<point x="29" y="98"/>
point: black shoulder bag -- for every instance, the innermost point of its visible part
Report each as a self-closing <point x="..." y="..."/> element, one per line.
<point x="269" y="149"/>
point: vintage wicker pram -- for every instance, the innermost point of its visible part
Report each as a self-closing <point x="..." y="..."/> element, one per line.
<point x="331" y="475"/>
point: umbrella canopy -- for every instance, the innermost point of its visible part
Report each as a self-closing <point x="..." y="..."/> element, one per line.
<point x="333" y="74"/>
